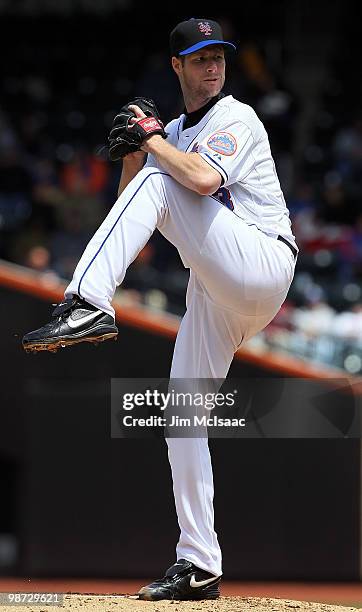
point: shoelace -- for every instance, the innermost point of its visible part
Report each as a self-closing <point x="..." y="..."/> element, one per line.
<point x="167" y="579"/>
<point x="65" y="311"/>
<point x="164" y="579"/>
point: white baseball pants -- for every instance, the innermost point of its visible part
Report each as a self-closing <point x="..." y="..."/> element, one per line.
<point x="239" y="279"/>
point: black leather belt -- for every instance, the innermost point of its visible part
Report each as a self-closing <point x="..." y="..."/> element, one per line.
<point x="294" y="251"/>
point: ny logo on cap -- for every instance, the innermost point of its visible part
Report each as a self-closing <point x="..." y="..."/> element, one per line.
<point x="205" y="28"/>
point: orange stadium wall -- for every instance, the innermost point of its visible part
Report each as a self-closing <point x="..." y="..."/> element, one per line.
<point x="83" y="504"/>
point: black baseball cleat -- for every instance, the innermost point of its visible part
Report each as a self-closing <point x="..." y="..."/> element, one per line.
<point x="73" y="321"/>
<point x="183" y="581"/>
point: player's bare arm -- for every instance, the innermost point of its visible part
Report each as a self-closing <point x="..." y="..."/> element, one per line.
<point x="188" y="169"/>
<point x="132" y="164"/>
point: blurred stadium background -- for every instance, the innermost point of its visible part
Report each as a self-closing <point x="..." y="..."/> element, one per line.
<point x="66" y="68"/>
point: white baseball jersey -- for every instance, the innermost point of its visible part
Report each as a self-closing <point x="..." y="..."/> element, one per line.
<point x="232" y="139"/>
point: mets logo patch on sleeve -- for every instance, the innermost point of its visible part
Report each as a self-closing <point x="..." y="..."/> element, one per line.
<point x="222" y="142"/>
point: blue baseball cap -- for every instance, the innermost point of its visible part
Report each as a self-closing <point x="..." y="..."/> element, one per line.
<point x="194" y="34"/>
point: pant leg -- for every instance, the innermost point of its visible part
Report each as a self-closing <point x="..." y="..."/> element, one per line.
<point x="151" y="200"/>
<point x="117" y="242"/>
<point x="199" y="353"/>
<point x="208" y="337"/>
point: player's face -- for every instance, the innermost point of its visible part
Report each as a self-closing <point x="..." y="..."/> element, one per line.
<point x="201" y="74"/>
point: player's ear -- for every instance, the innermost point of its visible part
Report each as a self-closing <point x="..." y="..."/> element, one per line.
<point x="176" y="64"/>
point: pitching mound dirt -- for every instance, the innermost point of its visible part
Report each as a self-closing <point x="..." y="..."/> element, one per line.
<point x="119" y="603"/>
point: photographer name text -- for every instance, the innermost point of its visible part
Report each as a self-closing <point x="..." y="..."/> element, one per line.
<point x="176" y="421"/>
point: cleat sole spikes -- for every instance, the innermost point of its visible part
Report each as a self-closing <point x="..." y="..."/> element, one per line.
<point x="52" y="347"/>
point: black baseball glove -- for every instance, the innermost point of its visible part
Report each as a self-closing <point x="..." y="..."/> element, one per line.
<point x="125" y="138"/>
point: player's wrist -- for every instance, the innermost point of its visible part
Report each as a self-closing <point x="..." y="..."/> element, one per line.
<point x="151" y="143"/>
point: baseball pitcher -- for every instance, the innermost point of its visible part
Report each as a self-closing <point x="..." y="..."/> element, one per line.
<point x="209" y="185"/>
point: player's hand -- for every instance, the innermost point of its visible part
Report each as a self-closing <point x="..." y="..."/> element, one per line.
<point x="140" y="115"/>
<point x="138" y="112"/>
<point x="135" y="123"/>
